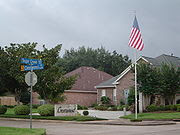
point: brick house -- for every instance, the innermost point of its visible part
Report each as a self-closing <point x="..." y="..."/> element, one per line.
<point x="118" y="87"/>
<point x="83" y="92"/>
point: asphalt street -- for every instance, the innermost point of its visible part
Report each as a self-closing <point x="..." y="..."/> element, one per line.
<point x="68" y="128"/>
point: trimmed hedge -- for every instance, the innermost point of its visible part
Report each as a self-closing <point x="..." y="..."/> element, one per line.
<point x="153" y="108"/>
<point x="22" y="110"/>
<point x="46" y="110"/>
<point x="79" y="107"/>
<point x="102" y="108"/>
<point x="3" y="109"/>
<point x="178" y="108"/>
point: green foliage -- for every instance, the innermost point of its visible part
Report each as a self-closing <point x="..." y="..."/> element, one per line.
<point x="105" y="100"/>
<point x="152" y="108"/>
<point x="178" y="109"/>
<point x="101" y="107"/>
<point x="131" y="96"/>
<point x="25" y="97"/>
<point x="163" y="80"/>
<point x="22" y="131"/>
<point x="22" y="110"/>
<point x="148" y="79"/>
<point x="35" y="106"/>
<point x="9" y="106"/>
<point x="85" y="113"/>
<point x="170" y="81"/>
<point x="51" y="81"/>
<point x="112" y="63"/>
<point x="3" y="109"/>
<point x="66" y="118"/>
<point x="46" y="110"/>
<point x="79" y="107"/>
<point x="136" y="120"/>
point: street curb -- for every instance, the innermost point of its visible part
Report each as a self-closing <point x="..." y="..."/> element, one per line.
<point x="103" y="122"/>
<point x="133" y="124"/>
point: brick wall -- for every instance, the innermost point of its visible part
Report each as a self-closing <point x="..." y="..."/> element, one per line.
<point x="81" y="98"/>
<point x="7" y="101"/>
<point x="35" y="98"/>
<point x="109" y="93"/>
<point x="125" y="82"/>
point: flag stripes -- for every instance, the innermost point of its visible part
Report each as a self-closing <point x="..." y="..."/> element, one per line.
<point x="135" y="40"/>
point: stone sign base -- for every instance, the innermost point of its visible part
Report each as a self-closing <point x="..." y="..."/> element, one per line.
<point x="65" y="110"/>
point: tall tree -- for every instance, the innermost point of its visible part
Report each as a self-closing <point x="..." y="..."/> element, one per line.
<point x="112" y="63"/>
<point x="148" y="79"/>
<point x="14" y="53"/>
<point x="170" y="82"/>
<point x="51" y="75"/>
<point x="51" y="81"/>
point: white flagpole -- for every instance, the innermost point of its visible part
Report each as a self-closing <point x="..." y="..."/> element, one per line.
<point x="135" y="76"/>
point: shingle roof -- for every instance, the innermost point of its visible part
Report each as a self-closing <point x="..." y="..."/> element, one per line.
<point x="167" y="59"/>
<point x="88" y="78"/>
<point x="108" y="83"/>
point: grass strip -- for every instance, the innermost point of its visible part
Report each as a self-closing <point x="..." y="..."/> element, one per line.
<point x="21" y="131"/>
<point x="155" y="116"/>
<point x="64" y="118"/>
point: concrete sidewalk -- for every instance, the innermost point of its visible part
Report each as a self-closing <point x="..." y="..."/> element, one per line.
<point x="105" y="114"/>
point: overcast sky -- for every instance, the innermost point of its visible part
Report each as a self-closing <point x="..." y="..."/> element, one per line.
<point x="92" y="23"/>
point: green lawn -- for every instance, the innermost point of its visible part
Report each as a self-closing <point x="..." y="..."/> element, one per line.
<point x="155" y="116"/>
<point x="21" y="131"/>
<point x="10" y="114"/>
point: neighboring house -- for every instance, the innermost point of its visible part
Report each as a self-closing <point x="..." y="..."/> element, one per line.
<point x="83" y="92"/>
<point x="117" y="88"/>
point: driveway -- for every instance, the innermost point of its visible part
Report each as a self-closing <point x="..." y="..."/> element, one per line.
<point x="105" y="114"/>
<point x="66" y="128"/>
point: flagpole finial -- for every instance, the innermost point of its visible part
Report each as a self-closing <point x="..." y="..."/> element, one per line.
<point x="134" y="12"/>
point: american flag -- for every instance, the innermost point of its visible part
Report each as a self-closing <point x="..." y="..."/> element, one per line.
<point x="135" y="40"/>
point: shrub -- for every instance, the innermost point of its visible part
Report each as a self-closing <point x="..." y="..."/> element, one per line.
<point x="85" y="113"/>
<point x="22" y="110"/>
<point x="35" y="106"/>
<point x="161" y="108"/>
<point x="94" y="105"/>
<point x="46" y="110"/>
<point x="152" y="108"/>
<point x="173" y="107"/>
<point x="9" y="106"/>
<point x="178" y="109"/>
<point x="114" y="108"/>
<point x="102" y="108"/>
<point x="136" y="120"/>
<point x="3" y="109"/>
<point x="167" y="107"/>
<point x="120" y="108"/>
<point x="105" y="100"/>
<point x="79" y="107"/>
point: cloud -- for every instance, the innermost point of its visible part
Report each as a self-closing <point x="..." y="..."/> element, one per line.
<point x="92" y="23"/>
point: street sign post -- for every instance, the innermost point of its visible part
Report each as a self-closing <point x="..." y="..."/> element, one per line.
<point x="31" y="61"/>
<point x="33" y="67"/>
<point x="31" y="77"/>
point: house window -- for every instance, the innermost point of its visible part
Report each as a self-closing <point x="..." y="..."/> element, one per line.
<point x="114" y="94"/>
<point x="103" y="93"/>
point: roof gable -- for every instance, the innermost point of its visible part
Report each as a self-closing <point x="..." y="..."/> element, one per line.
<point x="88" y="78"/>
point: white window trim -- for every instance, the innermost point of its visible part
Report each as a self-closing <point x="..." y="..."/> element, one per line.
<point x="103" y="93"/>
<point x="114" y="94"/>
